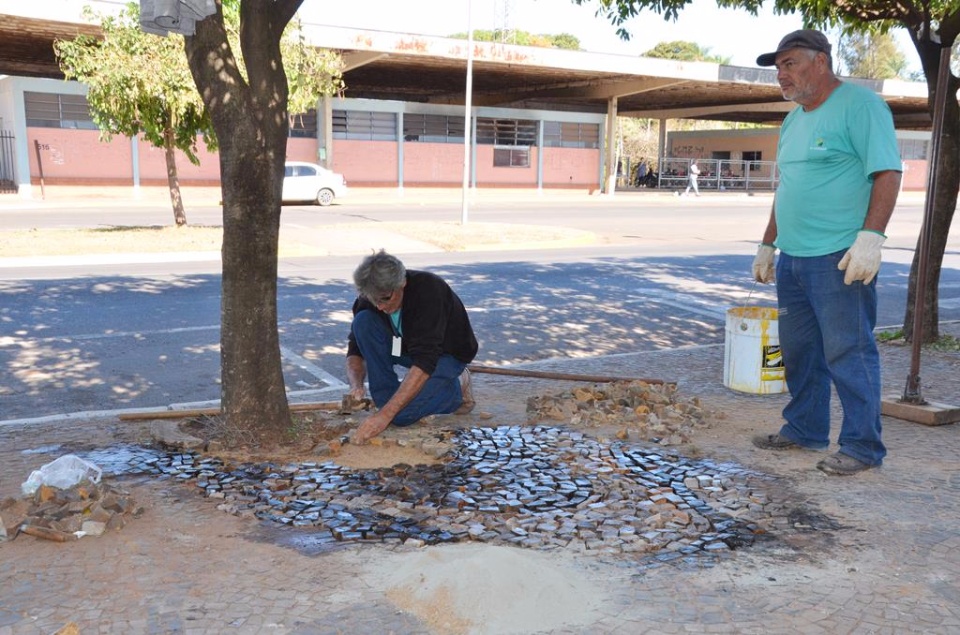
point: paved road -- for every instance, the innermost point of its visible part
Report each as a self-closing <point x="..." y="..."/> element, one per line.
<point x="88" y="335"/>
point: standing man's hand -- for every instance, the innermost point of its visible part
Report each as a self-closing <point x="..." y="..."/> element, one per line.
<point x="763" y="270"/>
<point x="862" y="260"/>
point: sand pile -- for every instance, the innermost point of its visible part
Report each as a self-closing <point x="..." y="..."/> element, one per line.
<point x="482" y="590"/>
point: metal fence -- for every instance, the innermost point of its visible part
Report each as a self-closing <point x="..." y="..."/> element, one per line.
<point x="722" y="175"/>
<point x="8" y="176"/>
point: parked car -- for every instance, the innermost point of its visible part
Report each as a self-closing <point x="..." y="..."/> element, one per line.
<point x="311" y="182"/>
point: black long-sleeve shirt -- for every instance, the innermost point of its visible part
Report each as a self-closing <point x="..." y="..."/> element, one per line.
<point x="433" y="322"/>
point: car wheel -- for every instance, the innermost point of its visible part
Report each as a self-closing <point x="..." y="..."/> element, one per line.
<point x="324" y="197"/>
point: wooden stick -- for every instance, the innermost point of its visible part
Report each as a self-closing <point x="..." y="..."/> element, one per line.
<point x="212" y="412"/>
<point x="47" y="533"/>
<point x="567" y="376"/>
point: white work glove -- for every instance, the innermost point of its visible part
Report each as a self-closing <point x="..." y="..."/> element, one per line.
<point x="763" y="270"/>
<point x="862" y="260"/>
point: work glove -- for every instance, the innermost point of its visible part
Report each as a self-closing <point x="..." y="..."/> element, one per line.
<point x="763" y="270"/>
<point x="862" y="260"/>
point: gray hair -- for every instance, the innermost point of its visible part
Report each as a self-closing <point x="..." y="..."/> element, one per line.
<point x="379" y="274"/>
<point x="812" y="55"/>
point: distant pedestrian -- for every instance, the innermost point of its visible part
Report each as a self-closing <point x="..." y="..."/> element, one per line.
<point x="641" y="172"/>
<point x="692" y="176"/>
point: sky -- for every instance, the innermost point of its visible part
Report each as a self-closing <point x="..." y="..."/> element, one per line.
<point x="725" y="32"/>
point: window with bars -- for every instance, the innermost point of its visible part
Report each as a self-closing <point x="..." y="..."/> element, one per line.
<point x="506" y="132"/>
<point x="304" y="125"/>
<point x="559" y="134"/>
<point x="755" y="156"/>
<point x="433" y="128"/>
<point x="913" y="149"/>
<point x="53" y="110"/>
<point x="368" y="126"/>
<point x="511" y="157"/>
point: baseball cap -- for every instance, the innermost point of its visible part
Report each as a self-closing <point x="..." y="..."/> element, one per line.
<point x="802" y="39"/>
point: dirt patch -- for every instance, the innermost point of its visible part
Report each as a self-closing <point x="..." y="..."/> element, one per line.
<point x="110" y="240"/>
<point x="200" y="238"/>
<point x="316" y="436"/>
<point x="477" y="236"/>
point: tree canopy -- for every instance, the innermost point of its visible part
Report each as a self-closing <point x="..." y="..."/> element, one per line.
<point x="872" y="56"/>
<point x="684" y="51"/>
<point x="140" y="84"/>
<point x="524" y="38"/>
<point x="137" y="83"/>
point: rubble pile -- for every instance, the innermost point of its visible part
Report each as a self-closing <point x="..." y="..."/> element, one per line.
<point x="62" y="515"/>
<point x="639" y="410"/>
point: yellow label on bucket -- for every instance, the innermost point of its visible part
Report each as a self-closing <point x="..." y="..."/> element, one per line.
<point x="772" y="369"/>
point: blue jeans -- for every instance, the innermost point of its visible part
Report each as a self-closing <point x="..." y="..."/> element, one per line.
<point x="440" y="394"/>
<point x="826" y="333"/>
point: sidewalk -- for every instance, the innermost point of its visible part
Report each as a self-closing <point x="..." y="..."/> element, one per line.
<point x="874" y="553"/>
<point x="113" y="196"/>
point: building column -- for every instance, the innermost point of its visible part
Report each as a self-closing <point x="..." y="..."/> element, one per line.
<point x="610" y="178"/>
<point x="400" y="141"/>
<point x="540" y="124"/>
<point x="661" y="146"/>
<point x="325" y="132"/>
<point x="135" y="164"/>
<point x="22" y="145"/>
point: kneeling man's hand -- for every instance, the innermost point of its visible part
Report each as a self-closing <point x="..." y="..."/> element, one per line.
<point x="371" y="427"/>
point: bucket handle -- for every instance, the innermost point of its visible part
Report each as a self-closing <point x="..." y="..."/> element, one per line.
<point x="743" y="323"/>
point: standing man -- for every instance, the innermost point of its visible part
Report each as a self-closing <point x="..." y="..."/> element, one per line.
<point x="694" y="174"/>
<point x="412" y="319"/>
<point x="839" y="179"/>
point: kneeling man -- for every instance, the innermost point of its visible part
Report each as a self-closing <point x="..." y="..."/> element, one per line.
<point x="415" y="320"/>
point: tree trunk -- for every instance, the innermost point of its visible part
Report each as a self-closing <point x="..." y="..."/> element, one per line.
<point x="944" y="202"/>
<point x="173" y="179"/>
<point x="251" y="125"/>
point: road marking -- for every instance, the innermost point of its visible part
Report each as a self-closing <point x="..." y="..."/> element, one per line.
<point x="682" y="301"/>
<point x="311" y="368"/>
<point x="9" y="340"/>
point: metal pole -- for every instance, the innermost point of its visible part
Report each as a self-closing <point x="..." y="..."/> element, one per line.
<point x="912" y="392"/>
<point x="43" y="191"/>
<point x="466" y="114"/>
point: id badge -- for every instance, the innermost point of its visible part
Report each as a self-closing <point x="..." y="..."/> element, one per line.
<point x="395" y="351"/>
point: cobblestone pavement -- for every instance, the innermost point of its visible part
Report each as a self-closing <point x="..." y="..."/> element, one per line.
<point x="874" y="553"/>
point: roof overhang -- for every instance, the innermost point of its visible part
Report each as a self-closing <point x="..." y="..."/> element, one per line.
<point x="408" y="67"/>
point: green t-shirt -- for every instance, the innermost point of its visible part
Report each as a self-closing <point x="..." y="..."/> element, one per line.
<point x="826" y="158"/>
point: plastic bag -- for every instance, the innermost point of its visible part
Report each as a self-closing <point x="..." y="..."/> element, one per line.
<point x="63" y="473"/>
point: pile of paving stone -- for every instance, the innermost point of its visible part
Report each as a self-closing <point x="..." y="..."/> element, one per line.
<point x="639" y="410"/>
<point x="534" y="486"/>
<point x="63" y="515"/>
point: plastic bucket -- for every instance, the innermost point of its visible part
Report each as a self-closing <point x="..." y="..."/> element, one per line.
<point x="752" y="361"/>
